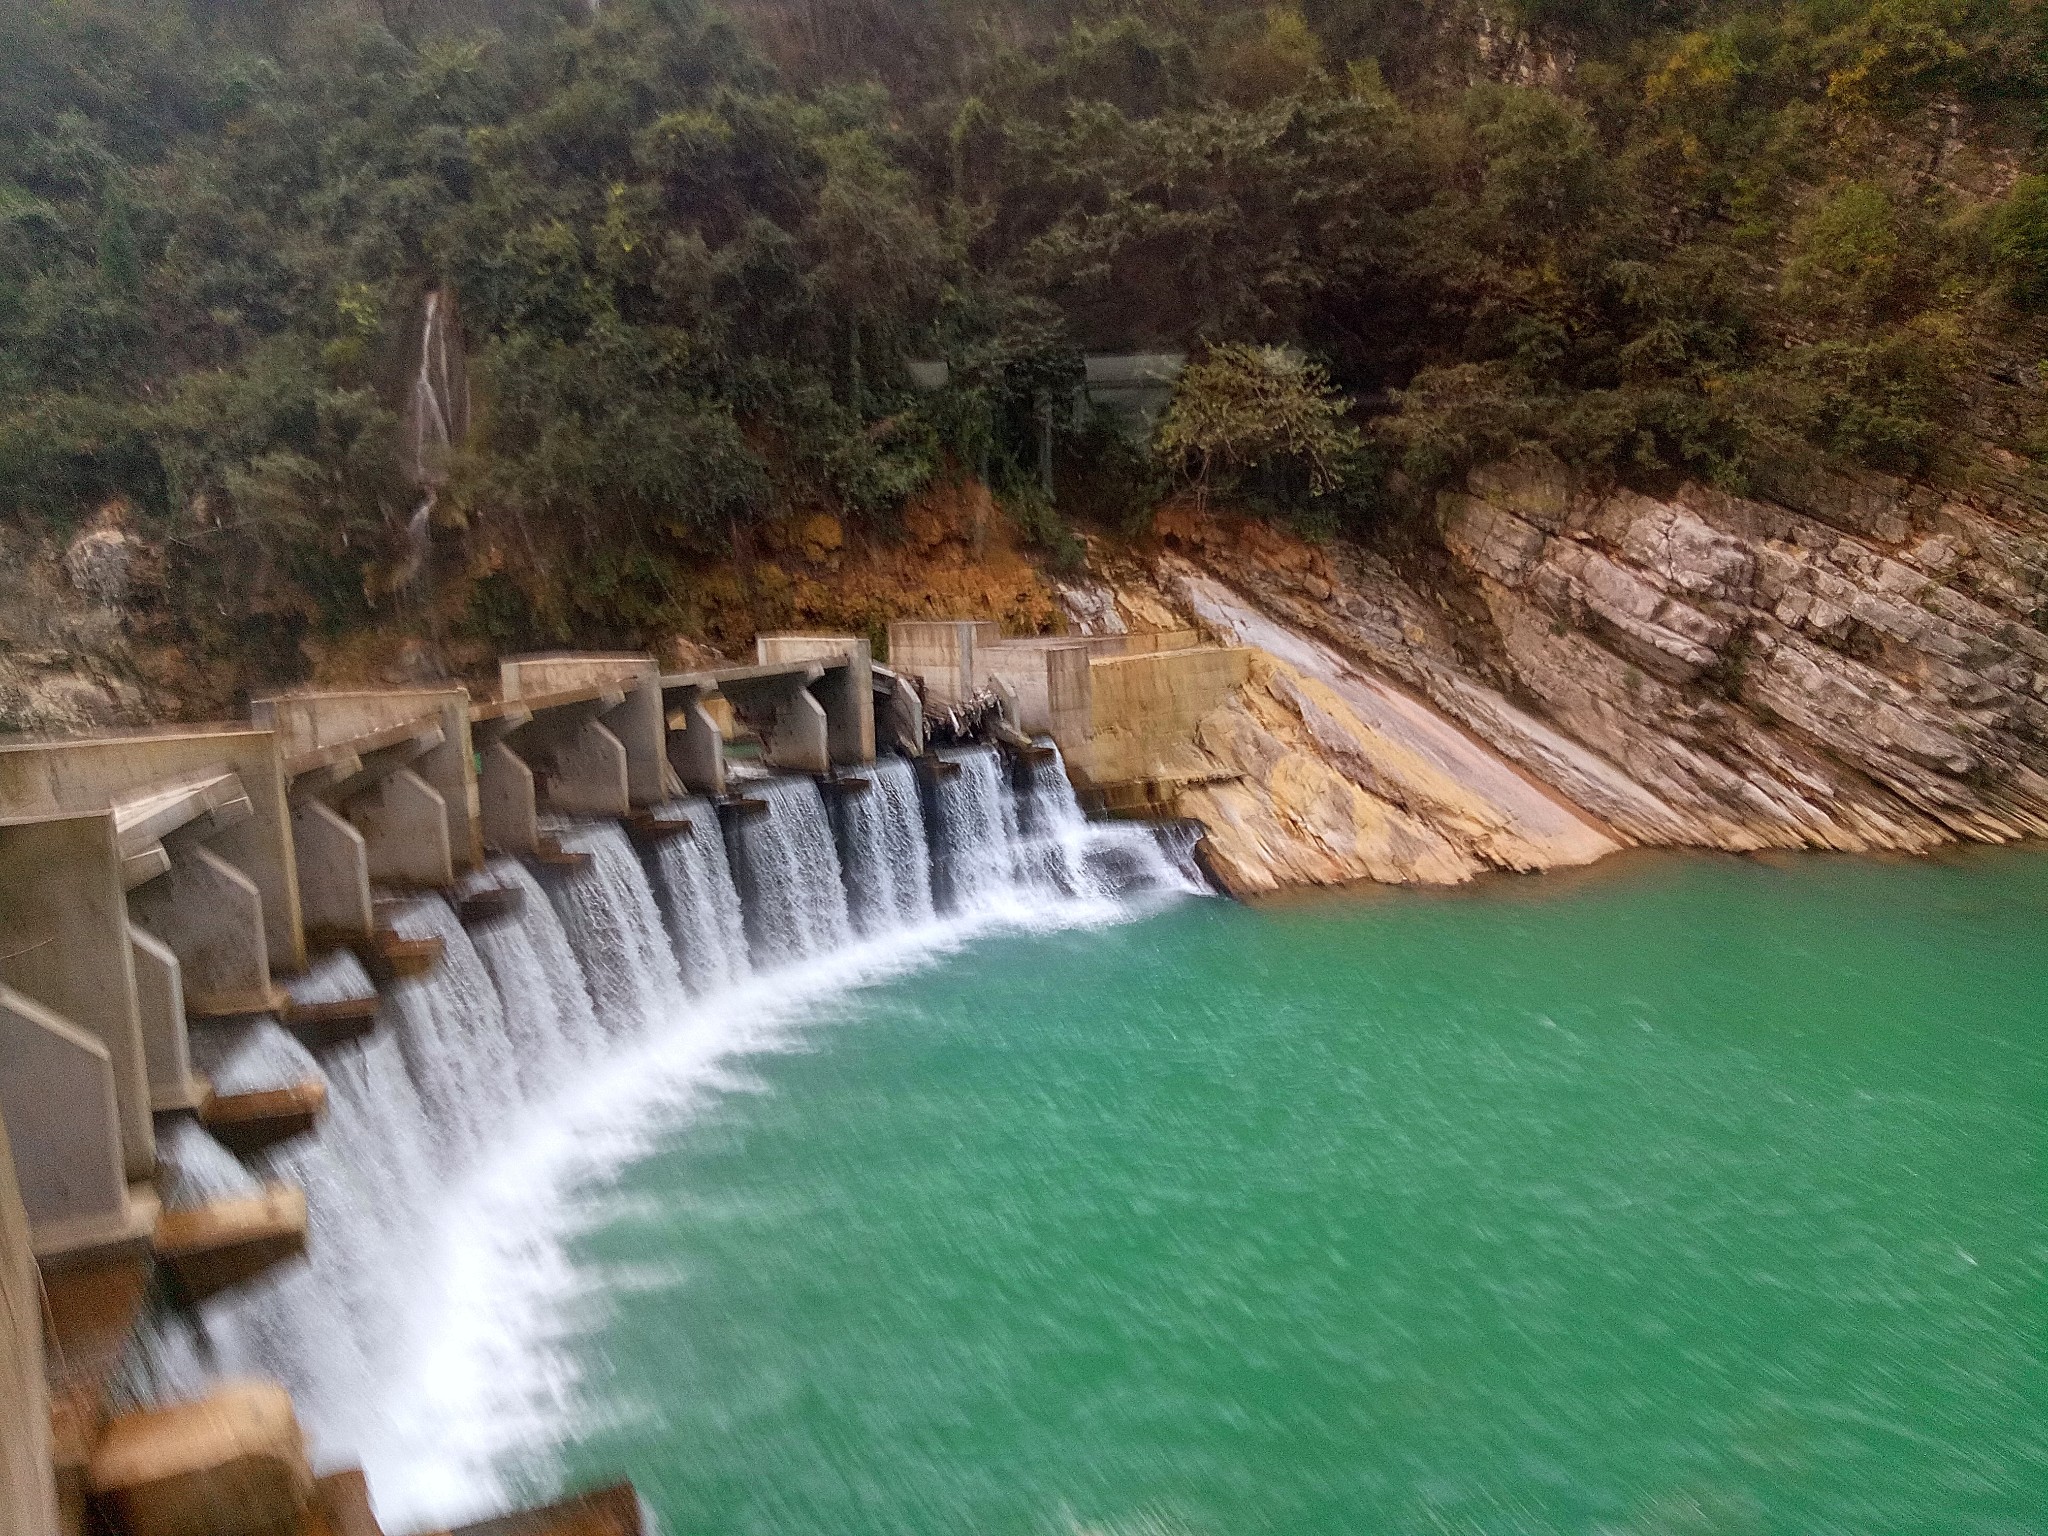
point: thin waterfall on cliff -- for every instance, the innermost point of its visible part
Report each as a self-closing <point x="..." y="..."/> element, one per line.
<point x="608" y="911"/>
<point x="795" y="901"/>
<point x="549" y="1021"/>
<point x="693" y="883"/>
<point x="882" y="843"/>
<point x="436" y="417"/>
<point x="975" y="822"/>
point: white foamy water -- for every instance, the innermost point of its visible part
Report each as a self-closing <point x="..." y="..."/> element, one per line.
<point x="888" y="867"/>
<point x="789" y="873"/>
<point x="693" y="883"/>
<point x="548" y="1048"/>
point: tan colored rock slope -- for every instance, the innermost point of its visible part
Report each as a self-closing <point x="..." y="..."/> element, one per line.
<point x="1858" y="664"/>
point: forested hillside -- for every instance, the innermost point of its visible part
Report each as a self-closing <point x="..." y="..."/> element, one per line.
<point x="690" y="250"/>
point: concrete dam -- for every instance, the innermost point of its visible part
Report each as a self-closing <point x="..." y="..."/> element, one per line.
<point x="270" y="991"/>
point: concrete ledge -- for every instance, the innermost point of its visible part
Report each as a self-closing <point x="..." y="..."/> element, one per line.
<point x="341" y="1505"/>
<point x="211" y="1247"/>
<point x="322" y="1026"/>
<point x="93" y="1240"/>
<point x="549" y="854"/>
<point x="233" y="1463"/>
<point x="245" y="1123"/>
<point x="490" y="904"/>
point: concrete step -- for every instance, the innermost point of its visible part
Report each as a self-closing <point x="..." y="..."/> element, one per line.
<point x="231" y="1463"/>
<point x="322" y="1026"/>
<point x="245" y="1123"/>
<point x="236" y="1005"/>
<point x="341" y="1506"/>
<point x="208" y="1248"/>
<point x="490" y="905"/>
<point x="550" y="854"/>
<point x="609" y="1511"/>
<point x="644" y="827"/>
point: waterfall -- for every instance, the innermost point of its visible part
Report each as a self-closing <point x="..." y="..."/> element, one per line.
<point x="315" y="1325"/>
<point x="975" y="827"/>
<point x="882" y="844"/>
<point x="593" y="960"/>
<point x="436" y="418"/>
<point x="694" y="883"/>
<point x="608" y="911"/>
<point x="451" y="1030"/>
<point x="549" y="1020"/>
<point x="795" y="902"/>
<point x="1063" y="850"/>
<point x="196" y="1168"/>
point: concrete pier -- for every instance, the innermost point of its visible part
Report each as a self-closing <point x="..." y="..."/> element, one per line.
<point x="98" y="773"/>
<point x="696" y="745"/>
<point x="845" y="690"/>
<point x="617" y="752"/>
<point x="68" y="955"/>
<point x="57" y="1095"/>
<point x="160" y="1010"/>
<point x="775" y="703"/>
<point x="1048" y="680"/>
<point x="382" y="789"/>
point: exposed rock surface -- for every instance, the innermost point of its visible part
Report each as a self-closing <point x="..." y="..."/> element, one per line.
<point x="1856" y="664"/>
<point x="64" y="662"/>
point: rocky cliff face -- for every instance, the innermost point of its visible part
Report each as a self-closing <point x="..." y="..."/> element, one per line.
<point x="1855" y="664"/>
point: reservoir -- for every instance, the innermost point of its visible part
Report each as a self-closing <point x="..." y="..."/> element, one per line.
<point x="1679" y="1195"/>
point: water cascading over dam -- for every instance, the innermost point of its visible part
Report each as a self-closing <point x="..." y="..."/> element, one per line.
<point x="633" y="944"/>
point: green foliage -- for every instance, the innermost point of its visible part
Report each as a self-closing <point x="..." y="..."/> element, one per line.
<point x="693" y="251"/>
<point x="1847" y="257"/>
<point x="1241" y="410"/>
<point x="2019" y="242"/>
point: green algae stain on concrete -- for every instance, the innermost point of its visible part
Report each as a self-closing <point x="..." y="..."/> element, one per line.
<point x="1686" y="1196"/>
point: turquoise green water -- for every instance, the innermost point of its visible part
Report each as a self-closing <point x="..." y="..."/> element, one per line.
<point x="1681" y="1196"/>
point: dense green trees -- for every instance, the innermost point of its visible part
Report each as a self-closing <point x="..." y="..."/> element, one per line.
<point x="695" y="248"/>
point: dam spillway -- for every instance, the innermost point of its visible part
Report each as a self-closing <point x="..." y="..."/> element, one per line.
<point x="519" y="1005"/>
<point x="350" y="946"/>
